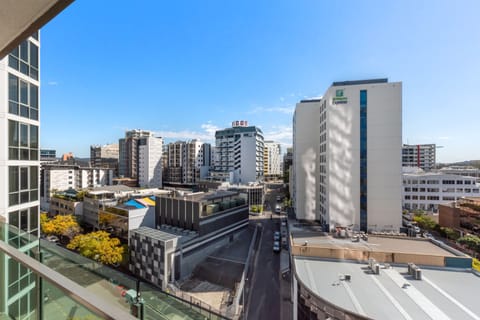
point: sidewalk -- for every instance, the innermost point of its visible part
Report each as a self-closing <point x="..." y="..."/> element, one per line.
<point x="286" y="307"/>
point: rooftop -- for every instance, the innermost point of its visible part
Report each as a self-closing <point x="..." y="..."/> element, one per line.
<point x="441" y="294"/>
<point x="374" y="244"/>
<point x="167" y="233"/>
<point x="156" y="234"/>
<point x="359" y="82"/>
<point x="110" y="189"/>
<point x="205" y="196"/>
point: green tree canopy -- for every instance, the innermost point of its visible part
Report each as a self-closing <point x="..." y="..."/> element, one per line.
<point x="425" y="222"/>
<point x="470" y="241"/>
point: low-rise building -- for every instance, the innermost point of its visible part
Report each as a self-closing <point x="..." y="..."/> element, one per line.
<point x="189" y="228"/>
<point x="59" y="177"/>
<point x="119" y="220"/>
<point x="101" y="198"/>
<point x="425" y="191"/>
<point x="66" y="203"/>
<point x="201" y="212"/>
<point x="379" y="277"/>
<point x="466" y="171"/>
<point x="463" y="214"/>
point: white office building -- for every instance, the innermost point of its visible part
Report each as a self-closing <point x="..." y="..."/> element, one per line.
<point x="419" y="155"/>
<point x="239" y="154"/>
<point x="426" y="190"/>
<point x="150" y="161"/>
<point x="466" y="171"/>
<point x="272" y="160"/>
<point x="58" y="177"/>
<point x="348" y="173"/>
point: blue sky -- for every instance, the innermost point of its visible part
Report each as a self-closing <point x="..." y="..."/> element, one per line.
<point x="185" y="68"/>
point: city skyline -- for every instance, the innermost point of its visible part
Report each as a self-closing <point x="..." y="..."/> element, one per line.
<point x="184" y="71"/>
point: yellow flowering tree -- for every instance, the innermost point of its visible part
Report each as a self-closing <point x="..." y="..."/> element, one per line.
<point x="61" y="225"/>
<point x="98" y="246"/>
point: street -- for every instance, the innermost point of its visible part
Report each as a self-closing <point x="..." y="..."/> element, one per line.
<point x="264" y="301"/>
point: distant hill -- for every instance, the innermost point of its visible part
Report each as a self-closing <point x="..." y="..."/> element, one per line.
<point x="473" y="163"/>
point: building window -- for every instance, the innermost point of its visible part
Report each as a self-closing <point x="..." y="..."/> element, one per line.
<point x="22" y="98"/>
<point x="22" y="184"/>
<point x="22" y="141"/>
<point x="24" y="58"/>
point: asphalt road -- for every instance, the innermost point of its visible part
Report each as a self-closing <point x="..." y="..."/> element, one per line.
<point x="264" y="296"/>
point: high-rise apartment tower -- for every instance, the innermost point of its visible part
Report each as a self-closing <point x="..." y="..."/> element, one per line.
<point x="239" y="153"/>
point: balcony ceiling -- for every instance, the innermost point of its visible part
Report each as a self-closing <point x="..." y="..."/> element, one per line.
<point x="21" y="18"/>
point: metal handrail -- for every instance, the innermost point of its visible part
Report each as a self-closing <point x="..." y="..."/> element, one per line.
<point x="92" y="302"/>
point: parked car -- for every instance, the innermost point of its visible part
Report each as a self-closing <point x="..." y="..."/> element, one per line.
<point x="276" y="246"/>
<point x="279" y="198"/>
<point x="276" y="236"/>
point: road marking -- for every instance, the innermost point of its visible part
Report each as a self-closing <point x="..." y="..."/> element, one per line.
<point x="225" y="259"/>
<point x="452" y="299"/>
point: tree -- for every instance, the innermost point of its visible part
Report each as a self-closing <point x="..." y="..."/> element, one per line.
<point x="60" y="225"/>
<point x="470" y="241"/>
<point x="425" y="222"/>
<point x="98" y="246"/>
<point x="450" y="233"/>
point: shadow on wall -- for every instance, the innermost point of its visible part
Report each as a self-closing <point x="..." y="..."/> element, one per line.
<point x="309" y="160"/>
<point x="156" y="180"/>
<point x="342" y="166"/>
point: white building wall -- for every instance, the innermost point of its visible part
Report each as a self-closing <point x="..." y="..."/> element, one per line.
<point x="306" y="143"/>
<point x="248" y="160"/>
<point x="150" y="162"/>
<point x="426" y="191"/>
<point x="240" y="159"/>
<point x="273" y="158"/>
<point x="384" y="142"/>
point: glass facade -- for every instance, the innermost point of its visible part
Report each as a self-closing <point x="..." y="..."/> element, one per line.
<point x="19" y="281"/>
<point x="18" y="284"/>
<point x="24" y="58"/>
<point x="22" y="141"/>
<point x="363" y="161"/>
<point x="23" y="98"/>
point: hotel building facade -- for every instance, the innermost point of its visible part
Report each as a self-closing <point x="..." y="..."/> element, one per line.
<point x="348" y="171"/>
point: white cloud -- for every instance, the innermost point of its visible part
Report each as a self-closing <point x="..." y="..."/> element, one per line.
<point x="285" y="110"/>
<point x="210" y="128"/>
<point x="207" y="135"/>
<point x="52" y="83"/>
<point x="280" y="134"/>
